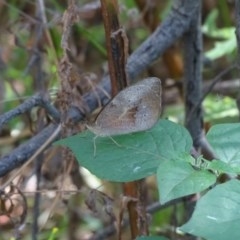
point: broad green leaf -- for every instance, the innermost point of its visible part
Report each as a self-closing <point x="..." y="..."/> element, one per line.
<point x="177" y="179"/>
<point x="132" y="156"/>
<point x="151" y="238"/>
<point x="217" y="214"/>
<point x="225" y="141"/>
<point x="222" y="167"/>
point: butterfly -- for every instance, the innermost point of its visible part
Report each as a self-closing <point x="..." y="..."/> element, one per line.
<point x="135" y="108"/>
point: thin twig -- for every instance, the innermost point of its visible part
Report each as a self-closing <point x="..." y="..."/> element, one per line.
<point x="210" y="88"/>
<point x="110" y="230"/>
<point x="37" y="100"/>
<point x="40" y="150"/>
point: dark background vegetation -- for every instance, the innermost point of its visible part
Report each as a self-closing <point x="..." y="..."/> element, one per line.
<point x="54" y="68"/>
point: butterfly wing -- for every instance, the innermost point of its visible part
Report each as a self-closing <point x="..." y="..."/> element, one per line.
<point x="136" y="108"/>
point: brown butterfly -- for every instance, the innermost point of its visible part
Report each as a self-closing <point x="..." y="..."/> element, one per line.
<point x="136" y="108"/>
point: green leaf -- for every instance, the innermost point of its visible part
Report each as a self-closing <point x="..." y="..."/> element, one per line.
<point x="210" y="27"/>
<point x="220" y="109"/>
<point x="222" y="167"/>
<point x="54" y="233"/>
<point x="224" y="139"/>
<point x="221" y="48"/>
<point x="151" y="238"/>
<point x="132" y="156"/>
<point x="177" y="179"/>
<point x="217" y="214"/>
